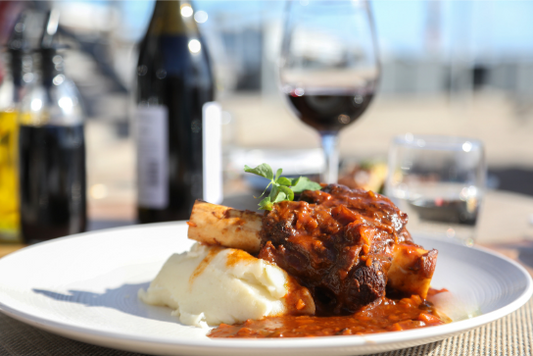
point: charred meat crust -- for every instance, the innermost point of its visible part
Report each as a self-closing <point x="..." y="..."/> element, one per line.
<point x="367" y="285"/>
<point x="337" y="242"/>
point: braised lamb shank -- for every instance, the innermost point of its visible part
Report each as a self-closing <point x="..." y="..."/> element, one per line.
<point x="348" y="247"/>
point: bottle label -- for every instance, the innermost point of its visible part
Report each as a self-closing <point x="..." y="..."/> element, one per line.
<point x="212" y="152"/>
<point x="152" y="156"/>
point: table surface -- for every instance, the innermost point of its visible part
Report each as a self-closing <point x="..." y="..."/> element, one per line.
<point x="504" y="226"/>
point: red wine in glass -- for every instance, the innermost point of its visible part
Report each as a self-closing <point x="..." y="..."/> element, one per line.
<point x="329" y="113"/>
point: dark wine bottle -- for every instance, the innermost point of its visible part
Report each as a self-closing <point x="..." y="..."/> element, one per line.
<point x="178" y="126"/>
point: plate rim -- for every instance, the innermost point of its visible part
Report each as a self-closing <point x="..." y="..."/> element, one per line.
<point x="136" y="342"/>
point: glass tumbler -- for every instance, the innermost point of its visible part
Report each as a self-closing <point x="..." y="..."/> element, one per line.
<point x="439" y="181"/>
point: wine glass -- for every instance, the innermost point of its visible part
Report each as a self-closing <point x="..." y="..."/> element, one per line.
<point x="329" y="68"/>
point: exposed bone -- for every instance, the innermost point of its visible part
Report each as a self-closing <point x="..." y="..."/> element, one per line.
<point x="220" y="225"/>
<point x="411" y="269"/>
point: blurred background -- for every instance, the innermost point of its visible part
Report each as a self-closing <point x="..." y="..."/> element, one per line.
<point x="448" y="67"/>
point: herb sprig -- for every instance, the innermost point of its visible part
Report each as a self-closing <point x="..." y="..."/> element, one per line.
<point x="283" y="188"/>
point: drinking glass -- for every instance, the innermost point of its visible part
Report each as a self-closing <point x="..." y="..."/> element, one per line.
<point x="329" y="68"/>
<point x="439" y="181"/>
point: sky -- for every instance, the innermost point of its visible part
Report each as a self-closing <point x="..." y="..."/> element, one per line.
<point x="405" y="28"/>
<point x="476" y="28"/>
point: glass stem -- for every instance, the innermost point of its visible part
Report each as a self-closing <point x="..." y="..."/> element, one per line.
<point x="329" y="144"/>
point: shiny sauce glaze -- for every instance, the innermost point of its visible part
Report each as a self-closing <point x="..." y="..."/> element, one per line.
<point x="383" y="316"/>
<point x="338" y="243"/>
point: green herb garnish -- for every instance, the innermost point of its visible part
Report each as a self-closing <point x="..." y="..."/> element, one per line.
<point x="283" y="188"/>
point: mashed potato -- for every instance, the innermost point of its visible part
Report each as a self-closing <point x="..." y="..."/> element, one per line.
<point x="211" y="285"/>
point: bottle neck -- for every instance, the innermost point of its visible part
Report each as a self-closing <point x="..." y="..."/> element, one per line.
<point x="172" y="18"/>
<point x="51" y="66"/>
<point x="53" y="100"/>
<point x="12" y="85"/>
<point x="17" y="68"/>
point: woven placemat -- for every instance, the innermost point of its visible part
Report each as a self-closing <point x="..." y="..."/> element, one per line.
<point x="509" y="336"/>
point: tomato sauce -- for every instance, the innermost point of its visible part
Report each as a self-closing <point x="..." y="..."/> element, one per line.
<point x="383" y="316"/>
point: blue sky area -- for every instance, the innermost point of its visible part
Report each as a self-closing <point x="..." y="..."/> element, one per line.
<point x="411" y="28"/>
<point x="481" y="28"/>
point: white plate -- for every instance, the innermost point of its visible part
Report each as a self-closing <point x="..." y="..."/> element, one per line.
<point x="85" y="287"/>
